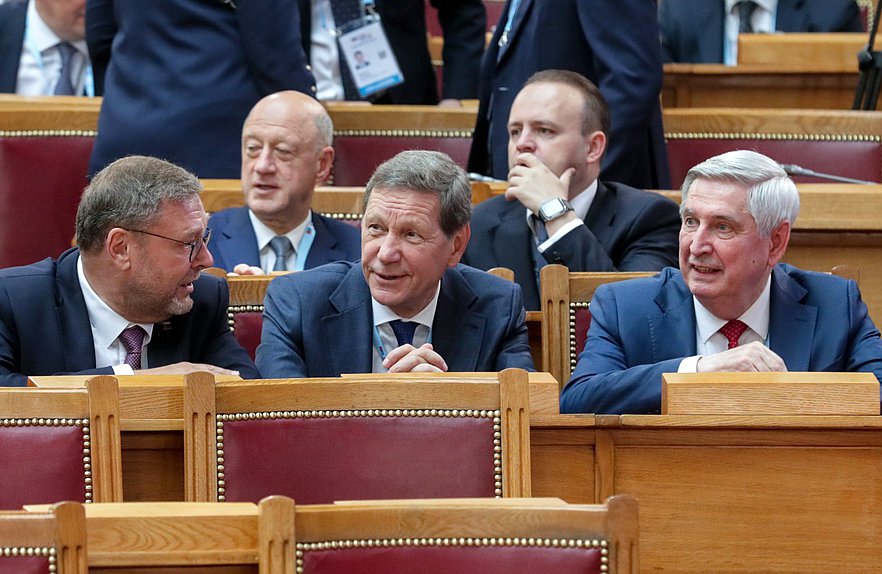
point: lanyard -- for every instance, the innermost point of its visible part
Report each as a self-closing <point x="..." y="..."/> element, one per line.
<point x="303" y="247"/>
<point x="379" y="344"/>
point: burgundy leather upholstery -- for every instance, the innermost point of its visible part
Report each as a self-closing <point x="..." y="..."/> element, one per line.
<point x="40" y="465"/>
<point x="320" y="460"/>
<point x="855" y="159"/>
<point x="41" y="181"/>
<point x="246" y="327"/>
<point x="358" y="156"/>
<point x="583" y="321"/>
<point x="459" y="559"/>
<point x="23" y="564"/>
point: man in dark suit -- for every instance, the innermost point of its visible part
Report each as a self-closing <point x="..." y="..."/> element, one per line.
<point x="408" y="306"/>
<point x="130" y="297"/>
<point x="731" y="307"/>
<point x="180" y="76"/>
<point x="612" y="44"/>
<point x="43" y="48"/>
<point x="555" y="209"/>
<point x="404" y="22"/>
<point x="286" y="152"/>
<point x="706" y="31"/>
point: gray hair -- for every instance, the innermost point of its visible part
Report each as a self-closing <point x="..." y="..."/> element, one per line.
<point x="324" y="127"/>
<point x="772" y="197"/>
<point x="129" y="193"/>
<point x="428" y="172"/>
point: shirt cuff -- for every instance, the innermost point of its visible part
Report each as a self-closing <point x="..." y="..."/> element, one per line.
<point x="689" y="364"/>
<point x="560" y="233"/>
<point x="123" y="369"/>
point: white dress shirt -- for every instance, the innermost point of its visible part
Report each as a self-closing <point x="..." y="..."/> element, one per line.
<point x="763" y="20"/>
<point x="264" y="235"/>
<point x="383" y="315"/>
<point x="40" y="63"/>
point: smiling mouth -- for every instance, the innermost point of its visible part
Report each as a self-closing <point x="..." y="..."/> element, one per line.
<point x="702" y="269"/>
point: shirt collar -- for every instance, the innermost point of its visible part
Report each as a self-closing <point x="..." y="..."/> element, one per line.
<point x="383" y="314"/>
<point x="40" y="35"/>
<point x="264" y="234"/>
<point x="106" y="323"/>
<point x="756" y="317"/>
<point x="768" y="5"/>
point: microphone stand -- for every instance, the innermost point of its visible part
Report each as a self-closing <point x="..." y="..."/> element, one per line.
<point x="870" y="64"/>
<point x="792" y="169"/>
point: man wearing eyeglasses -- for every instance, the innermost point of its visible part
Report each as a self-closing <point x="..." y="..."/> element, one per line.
<point x="130" y="297"/>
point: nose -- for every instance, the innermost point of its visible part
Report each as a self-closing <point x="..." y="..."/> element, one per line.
<point x="264" y="162"/>
<point x="202" y="259"/>
<point x="700" y="241"/>
<point x="390" y="250"/>
<point x="525" y="142"/>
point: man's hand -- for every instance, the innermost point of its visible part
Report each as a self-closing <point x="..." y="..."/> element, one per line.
<point x="753" y="357"/>
<point x="409" y="359"/>
<point x="184" y="367"/>
<point x="532" y="183"/>
<point x="245" y="269"/>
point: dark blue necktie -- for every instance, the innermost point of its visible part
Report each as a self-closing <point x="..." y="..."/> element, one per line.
<point x="65" y="86"/>
<point x="404" y="331"/>
<point x="745" y="14"/>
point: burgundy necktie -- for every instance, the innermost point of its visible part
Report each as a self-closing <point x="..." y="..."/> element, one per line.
<point x="733" y="331"/>
<point x="132" y="340"/>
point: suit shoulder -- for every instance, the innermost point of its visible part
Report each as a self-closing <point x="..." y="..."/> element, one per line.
<point x="642" y="288"/>
<point x="340" y="229"/>
<point x="482" y="281"/>
<point x="491" y="209"/>
<point x="633" y="196"/>
<point x="224" y="217"/>
<point x="45" y="268"/>
<point x="324" y="275"/>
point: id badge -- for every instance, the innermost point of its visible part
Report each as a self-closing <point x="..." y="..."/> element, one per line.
<point x="372" y="64"/>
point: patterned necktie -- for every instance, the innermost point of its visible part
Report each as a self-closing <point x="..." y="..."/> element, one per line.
<point x="404" y="331"/>
<point x="346" y="11"/>
<point x="733" y="331"/>
<point x="65" y="87"/>
<point x="132" y="340"/>
<point x="745" y="13"/>
<point x="281" y="246"/>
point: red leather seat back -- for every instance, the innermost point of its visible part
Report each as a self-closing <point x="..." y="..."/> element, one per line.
<point x="41" y="181"/>
<point x="23" y="564"/>
<point x="450" y="555"/>
<point x="246" y="327"/>
<point x="357" y="156"/>
<point x="855" y="159"/>
<point x="41" y="464"/>
<point x="320" y="459"/>
<point x="581" y="320"/>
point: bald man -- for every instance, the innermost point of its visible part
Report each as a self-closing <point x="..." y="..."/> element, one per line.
<point x="286" y="153"/>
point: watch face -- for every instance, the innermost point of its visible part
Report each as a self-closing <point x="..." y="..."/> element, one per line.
<point x="551" y="209"/>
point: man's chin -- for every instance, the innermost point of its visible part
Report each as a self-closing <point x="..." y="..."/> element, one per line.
<point x="180" y="306"/>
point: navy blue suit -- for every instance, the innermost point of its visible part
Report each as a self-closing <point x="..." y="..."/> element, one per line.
<point x="645" y="327"/>
<point x="612" y="44"/>
<point x="179" y="76"/>
<point x="319" y="323"/>
<point x="692" y="31"/>
<point x="233" y="240"/>
<point x="626" y="229"/>
<point x="44" y="326"/>
<point x="13" y="16"/>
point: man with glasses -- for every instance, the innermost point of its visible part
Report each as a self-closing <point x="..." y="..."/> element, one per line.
<point x="130" y="296"/>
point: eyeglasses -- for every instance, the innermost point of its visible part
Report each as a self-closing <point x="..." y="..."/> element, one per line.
<point x="195" y="246"/>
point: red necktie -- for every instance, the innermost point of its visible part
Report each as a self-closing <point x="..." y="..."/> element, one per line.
<point x="733" y="331"/>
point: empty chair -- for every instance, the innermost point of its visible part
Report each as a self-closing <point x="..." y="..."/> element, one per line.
<point x="320" y="440"/>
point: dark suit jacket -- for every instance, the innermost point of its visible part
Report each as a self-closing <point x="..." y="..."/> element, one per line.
<point x="12" y="28"/>
<point x="404" y="21"/>
<point x="319" y="323"/>
<point x="180" y="76"/>
<point x="610" y="43"/>
<point x="44" y="326"/>
<point x="233" y="240"/>
<point x="645" y="327"/>
<point x="626" y="230"/>
<point x="693" y="30"/>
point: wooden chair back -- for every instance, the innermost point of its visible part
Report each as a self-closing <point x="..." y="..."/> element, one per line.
<point x="528" y="536"/>
<point x="50" y="542"/>
<point x="321" y="440"/>
<point x="63" y="444"/>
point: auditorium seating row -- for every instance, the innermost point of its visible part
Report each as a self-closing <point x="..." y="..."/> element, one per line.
<point x="278" y="536"/>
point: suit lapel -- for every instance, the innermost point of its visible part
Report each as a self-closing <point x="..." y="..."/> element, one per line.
<point x="237" y="242"/>
<point x="457" y="331"/>
<point x="347" y="334"/>
<point x="517" y="23"/>
<point x="677" y="317"/>
<point x="791" y="324"/>
<point x="324" y="246"/>
<point x="73" y="318"/>
<point x="601" y="213"/>
<point x="510" y="241"/>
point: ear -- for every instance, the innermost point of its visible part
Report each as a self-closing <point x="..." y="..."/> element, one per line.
<point x="118" y="247"/>
<point x="596" y="143"/>
<point x="779" y="237"/>
<point x="325" y="163"/>
<point x="460" y="240"/>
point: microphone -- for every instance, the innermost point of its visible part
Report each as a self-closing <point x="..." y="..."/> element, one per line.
<point x="793" y="169"/>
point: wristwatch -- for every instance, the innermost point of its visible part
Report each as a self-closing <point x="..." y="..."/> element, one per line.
<point x="553" y="208"/>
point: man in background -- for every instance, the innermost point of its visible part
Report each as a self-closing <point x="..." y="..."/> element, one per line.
<point x="286" y="153"/>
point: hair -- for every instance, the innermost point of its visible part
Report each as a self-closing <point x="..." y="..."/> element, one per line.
<point x="130" y="193"/>
<point x="771" y="194"/>
<point x="324" y="128"/>
<point x="428" y="172"/>
<point x="595" y="112"/>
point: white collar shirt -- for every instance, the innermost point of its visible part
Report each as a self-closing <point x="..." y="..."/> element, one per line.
<point x="40" y="63"/>
<point x="264" y="235"/>
<point x="763" y="19"/>
<point x="383" y="315"/>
